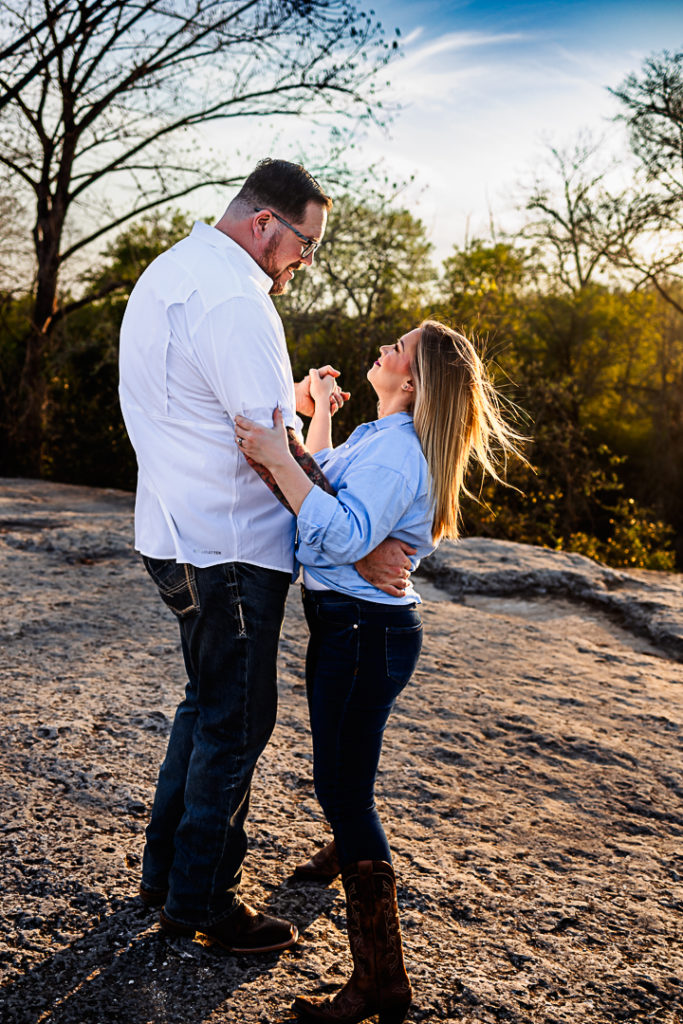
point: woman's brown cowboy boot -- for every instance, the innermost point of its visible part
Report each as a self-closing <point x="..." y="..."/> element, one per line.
<point x="322" y="867"/>
<point x="379" y="983"/>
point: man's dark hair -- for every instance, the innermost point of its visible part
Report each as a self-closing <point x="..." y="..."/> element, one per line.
<point x="285" y="187"/>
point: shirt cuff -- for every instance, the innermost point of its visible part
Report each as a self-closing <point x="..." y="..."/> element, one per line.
<point x="315" y="515"/>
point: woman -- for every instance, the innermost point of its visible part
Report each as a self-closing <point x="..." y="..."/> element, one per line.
<point x="401" y="475"/>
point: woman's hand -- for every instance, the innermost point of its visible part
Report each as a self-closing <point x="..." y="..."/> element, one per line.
<point x="267" y="450"/>
<point x="305" y="403"/>
<point x="322" y="387"/>
<point x="267" y="445"/>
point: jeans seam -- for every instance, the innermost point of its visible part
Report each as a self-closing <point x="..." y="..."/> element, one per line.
<point x="236" y="600"/>
<point x="244" y="677"/>
<point x="352" y="688"/>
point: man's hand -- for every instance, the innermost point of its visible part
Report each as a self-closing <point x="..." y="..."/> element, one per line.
<point x="387" y="567"/>
<point x="305" y="404"/>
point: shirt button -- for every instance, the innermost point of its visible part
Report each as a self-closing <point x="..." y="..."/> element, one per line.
<point x="355" y="625"/>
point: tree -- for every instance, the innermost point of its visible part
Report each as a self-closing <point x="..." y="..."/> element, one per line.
<point x="373" y="251"/>
<point x="653" y="113"/>
<point x="577" y="223"/>
<point x="654" y="116"/>
<point x="586" y="229"/>
<point x="101" y="98"/>
<point x="483" y="290"/>
<point x="578" y="358"/>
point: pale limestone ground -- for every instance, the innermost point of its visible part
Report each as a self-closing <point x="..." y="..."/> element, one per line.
<point x="531" y="788"/>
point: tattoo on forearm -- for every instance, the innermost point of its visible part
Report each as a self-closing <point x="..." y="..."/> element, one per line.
<point x="307" y="463"/>
<point x="269" y="481"/>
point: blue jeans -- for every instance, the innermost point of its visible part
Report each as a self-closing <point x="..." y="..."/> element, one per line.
<point x="360" y="656"/>
<point x="230" y="618"/>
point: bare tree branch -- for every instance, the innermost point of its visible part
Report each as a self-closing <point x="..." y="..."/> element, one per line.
<point x="139" y="209"/>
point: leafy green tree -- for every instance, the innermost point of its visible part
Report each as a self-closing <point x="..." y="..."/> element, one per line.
<point x="481" y="285"/>
<point x="576" y="359"/>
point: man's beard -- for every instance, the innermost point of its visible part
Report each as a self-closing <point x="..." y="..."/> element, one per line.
<point x="269" y="263"/>
<point x="279" y="285"/>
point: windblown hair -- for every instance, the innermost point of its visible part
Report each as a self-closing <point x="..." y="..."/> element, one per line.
<point x="285" y="187"/>
<point x="457" y="417"/>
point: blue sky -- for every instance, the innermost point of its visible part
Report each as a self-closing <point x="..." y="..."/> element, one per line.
<point x="567" y="21"/>
<point x="482" y="89"/>
<point x="485" y="87"/>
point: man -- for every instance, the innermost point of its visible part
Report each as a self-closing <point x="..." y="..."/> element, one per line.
<point x="201" y="342"/>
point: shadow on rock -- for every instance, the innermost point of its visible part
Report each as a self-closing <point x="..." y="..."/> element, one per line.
<point x="126" y="970"/>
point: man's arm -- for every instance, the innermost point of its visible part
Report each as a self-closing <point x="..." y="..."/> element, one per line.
<point x="387" y="566"/>
<point x="308" y="463"/>
<point x="320" y="430"/>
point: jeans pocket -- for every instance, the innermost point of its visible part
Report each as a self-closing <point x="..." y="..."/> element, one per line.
<point x="176" y="583"/>
<point x="338" y="614"/>
<point x="402" y="650"/>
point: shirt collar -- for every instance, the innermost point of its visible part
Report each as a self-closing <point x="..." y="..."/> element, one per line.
<point x="219" y="240"/>
<point x="396" y="419"/>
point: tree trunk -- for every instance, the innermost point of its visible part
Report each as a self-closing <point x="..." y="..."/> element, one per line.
<point x="29" y="432"/>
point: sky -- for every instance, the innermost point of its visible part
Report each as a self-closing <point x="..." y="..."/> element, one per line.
<point x="485" y="87"/>
<point x="480" y="89"/>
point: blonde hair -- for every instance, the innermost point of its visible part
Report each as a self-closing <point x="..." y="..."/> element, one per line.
<point x="457" y="417"/>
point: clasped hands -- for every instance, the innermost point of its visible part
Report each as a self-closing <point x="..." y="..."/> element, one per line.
<point x="305" y="399"/>
<point x="270" y="446"/>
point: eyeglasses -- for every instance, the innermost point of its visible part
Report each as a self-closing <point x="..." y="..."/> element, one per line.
<point x="310" y="244"/>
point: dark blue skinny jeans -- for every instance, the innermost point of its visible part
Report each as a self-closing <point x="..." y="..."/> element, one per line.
<point x="360" y="656"/>
<point x="230" y="617"/>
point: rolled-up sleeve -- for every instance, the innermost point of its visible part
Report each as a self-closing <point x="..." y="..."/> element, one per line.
<point x="340" y="530"/>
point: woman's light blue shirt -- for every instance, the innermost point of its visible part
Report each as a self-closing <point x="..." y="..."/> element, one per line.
<point x="383" y="489"/>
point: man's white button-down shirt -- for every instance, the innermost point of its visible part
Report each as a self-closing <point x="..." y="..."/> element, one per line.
<point x="201" y="341"/>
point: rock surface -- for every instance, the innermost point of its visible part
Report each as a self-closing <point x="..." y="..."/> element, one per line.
<point x="649" y="603"/>
<point x="531" y="790"/>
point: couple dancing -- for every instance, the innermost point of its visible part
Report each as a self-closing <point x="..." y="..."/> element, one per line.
<point x="204" y="365"/>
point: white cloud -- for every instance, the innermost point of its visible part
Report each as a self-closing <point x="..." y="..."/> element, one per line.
<point x="454" y="41"/>
<point x="473" y="133"/>
<point x="428" y="71"/>
<point x="477" y="111"/>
